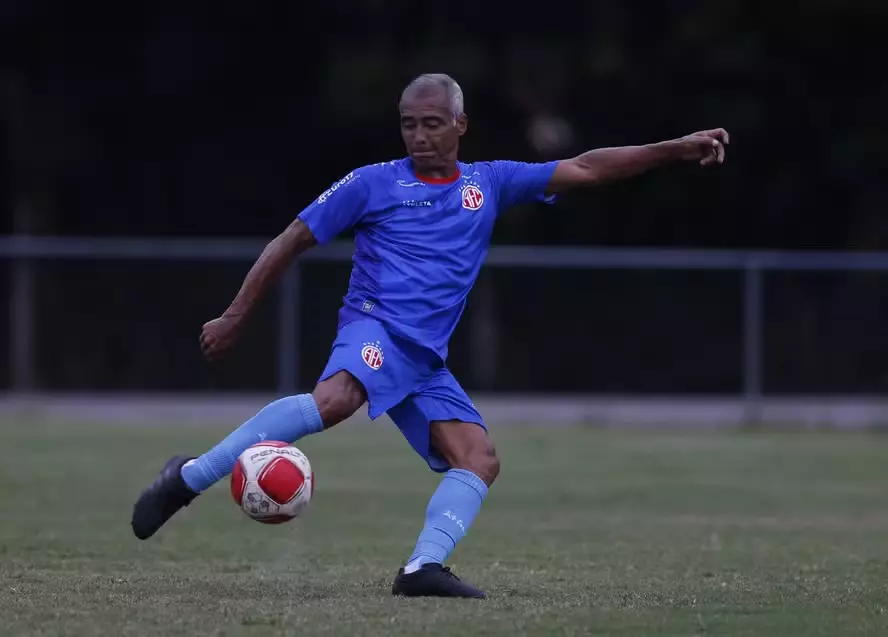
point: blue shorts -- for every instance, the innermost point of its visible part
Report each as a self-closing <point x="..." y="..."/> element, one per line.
<point x="403" y="379"/>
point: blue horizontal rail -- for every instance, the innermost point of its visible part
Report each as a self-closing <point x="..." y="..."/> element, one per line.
<point x="207" y="249"/>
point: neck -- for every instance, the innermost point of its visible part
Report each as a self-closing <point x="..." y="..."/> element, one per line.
<point x="445" y="174"/>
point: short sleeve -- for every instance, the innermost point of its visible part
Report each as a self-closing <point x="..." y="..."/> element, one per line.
<point x="520" y="182"/>
<point x="338" y="209"/>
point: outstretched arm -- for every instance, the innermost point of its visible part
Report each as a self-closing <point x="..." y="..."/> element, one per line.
<point x="338" y="208"/>
<point x="220" y="333"/>
<point x="608" y="164"/>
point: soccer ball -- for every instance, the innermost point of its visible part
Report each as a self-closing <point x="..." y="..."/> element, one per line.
<point x="272" y="482"/>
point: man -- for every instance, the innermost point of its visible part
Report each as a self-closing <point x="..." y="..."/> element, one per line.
<point x="422" y="228"/>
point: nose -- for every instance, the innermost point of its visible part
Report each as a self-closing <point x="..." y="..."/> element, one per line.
<point x="420" y="139"/>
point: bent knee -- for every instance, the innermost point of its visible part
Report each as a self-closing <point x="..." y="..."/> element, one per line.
<point x="482" y="461"/>
<point x="338" y="397"/>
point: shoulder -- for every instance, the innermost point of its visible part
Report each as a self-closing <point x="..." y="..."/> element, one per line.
<point x="371" y="175"/>
<point x="477" y="166"/>
<point x="483" y="170"/>
<point x="492" y="168"/>
<point x="361" y="179"/>
<point x="491" y="172"/>
<point x="499" y="165"/>
<point x="490" y="164"/>
<point x="508" y="170"/>
<point x="381" y="170"/>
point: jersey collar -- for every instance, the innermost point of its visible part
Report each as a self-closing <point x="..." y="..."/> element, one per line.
<point x="439" y="181"/>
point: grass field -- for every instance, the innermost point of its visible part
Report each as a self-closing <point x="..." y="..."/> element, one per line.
<point x="587" y="532"/>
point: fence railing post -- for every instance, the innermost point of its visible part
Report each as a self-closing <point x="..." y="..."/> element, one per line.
<point x="22" y="309"/>
<point x="23" y="376"/>
<point x="288" y="329"/>
<point x="752" y="342"/>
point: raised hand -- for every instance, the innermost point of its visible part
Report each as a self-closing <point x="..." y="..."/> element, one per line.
<point x="707" y="147"/>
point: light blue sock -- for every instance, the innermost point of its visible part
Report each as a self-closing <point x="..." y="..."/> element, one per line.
<point x="451" y="511"/>
<point x="287" y="419"/>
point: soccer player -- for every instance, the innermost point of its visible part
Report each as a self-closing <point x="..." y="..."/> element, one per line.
<point x="422" y="228"/>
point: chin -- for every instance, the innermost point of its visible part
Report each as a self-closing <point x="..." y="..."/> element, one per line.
<point x="429" y="163"/>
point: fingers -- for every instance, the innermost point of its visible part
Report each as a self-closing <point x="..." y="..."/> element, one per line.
<point x="213" y="353"/>
<point x="720" y="152"/>
<point x="709" y="151"/>
<point x="710" y="145"/>
<point x="207" y="344"/>
<point x="720" y="134"/>
<point x="217" y="337"/>
<point x="210" y="346"/>
<point x="712" y="149"/>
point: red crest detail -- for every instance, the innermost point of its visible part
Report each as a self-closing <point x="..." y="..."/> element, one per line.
<point x="472" y="198"/>
<point x="372" y="355"/>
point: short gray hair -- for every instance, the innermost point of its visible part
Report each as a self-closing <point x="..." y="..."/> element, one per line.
<point x="439" y="80"/>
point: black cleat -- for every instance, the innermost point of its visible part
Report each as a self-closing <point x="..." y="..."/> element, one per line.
<point x="166" y="495"/>
<point x="433" y="580"/>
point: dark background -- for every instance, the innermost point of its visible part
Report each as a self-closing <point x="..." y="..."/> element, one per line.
<point x="156" y="119"/>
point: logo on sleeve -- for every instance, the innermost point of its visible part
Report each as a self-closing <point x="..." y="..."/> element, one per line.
<point x="472" y="197"/>
<point x="339" y="184"/>
<point x="372" y="355"/>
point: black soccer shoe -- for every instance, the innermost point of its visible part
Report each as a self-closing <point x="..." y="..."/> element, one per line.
<point x="166" y="495"/>
<point x="433" y="580"/>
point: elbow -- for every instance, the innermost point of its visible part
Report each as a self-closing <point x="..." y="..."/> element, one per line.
<point x="574" y="173"/>
<point x="586" y="173"/>
<point x="589" y="176"/>
<point x="297" y="237"/>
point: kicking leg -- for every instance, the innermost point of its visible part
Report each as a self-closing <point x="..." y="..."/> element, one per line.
<point x="287" y="419"/>
<point x="468" y="451"/>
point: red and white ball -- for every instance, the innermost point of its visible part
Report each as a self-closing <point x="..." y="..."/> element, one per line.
<point x="272" y="482"/>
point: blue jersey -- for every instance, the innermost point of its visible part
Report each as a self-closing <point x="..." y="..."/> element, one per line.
<point x="419" y="244"/>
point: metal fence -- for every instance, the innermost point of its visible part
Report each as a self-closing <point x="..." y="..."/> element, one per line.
<point x="23" y="250"/>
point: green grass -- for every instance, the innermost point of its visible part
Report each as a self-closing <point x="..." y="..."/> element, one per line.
<point x="587" y="532"/>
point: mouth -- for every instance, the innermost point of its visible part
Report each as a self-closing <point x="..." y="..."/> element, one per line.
<point x="423" y="154"/>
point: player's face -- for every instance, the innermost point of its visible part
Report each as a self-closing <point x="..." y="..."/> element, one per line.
<point x="430" y="132"/>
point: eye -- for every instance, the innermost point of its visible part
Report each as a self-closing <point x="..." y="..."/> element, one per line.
<point x="432" y="123"/>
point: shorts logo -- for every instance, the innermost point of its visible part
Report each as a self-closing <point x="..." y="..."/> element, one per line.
<point x="472" y="198"/>
<point x="372" y="355"/>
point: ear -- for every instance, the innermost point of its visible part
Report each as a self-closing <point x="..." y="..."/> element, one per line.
<point x="462" y="122"/>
